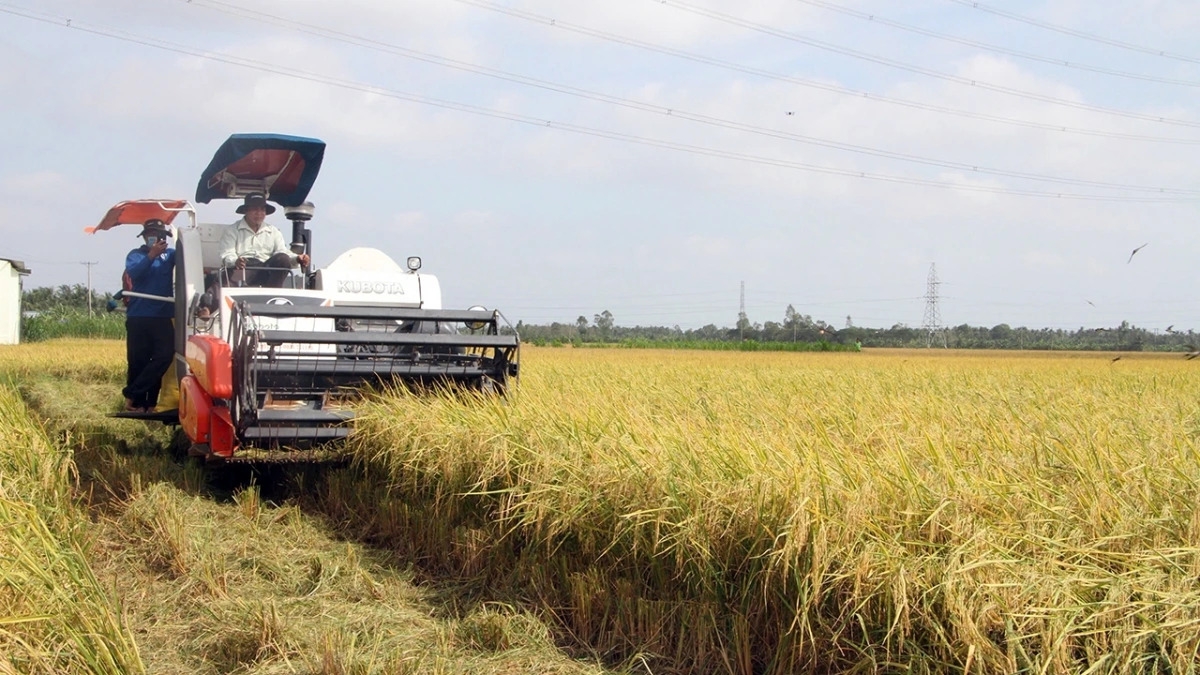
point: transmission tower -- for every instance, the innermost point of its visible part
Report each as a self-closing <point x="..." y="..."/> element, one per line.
<point x="932" y="324"/>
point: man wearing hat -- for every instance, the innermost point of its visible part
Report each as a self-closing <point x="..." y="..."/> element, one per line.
<point x="254" y="250"/>
<point x="149" y="334"/>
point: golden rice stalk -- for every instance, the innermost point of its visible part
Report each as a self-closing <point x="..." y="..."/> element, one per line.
<point x="54" y="615"/>
<point x="773" y="512"/>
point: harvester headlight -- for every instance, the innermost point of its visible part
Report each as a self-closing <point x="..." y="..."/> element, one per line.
<point x="476" y="325"/>
<point x="414" y="263"/>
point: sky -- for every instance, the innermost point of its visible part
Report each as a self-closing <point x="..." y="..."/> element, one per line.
<point x="669" y="161"/>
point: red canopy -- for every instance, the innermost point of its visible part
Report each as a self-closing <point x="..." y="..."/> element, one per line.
<point x="138" y="211"/>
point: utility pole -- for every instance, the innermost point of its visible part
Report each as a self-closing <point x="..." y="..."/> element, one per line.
<point x="89" y="278"/>
<point x="932" y="324"/>
<point x="742" y="313"/>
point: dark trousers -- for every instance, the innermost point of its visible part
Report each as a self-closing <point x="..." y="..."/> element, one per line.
<point x="269" y="273"/>
<point x="149" y="350"/>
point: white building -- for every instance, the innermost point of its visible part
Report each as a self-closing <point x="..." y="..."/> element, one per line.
<point x="11" y="272"/>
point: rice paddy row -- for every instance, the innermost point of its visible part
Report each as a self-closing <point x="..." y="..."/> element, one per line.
<point x="776" y="513"/>
<point x="687" y="512"/>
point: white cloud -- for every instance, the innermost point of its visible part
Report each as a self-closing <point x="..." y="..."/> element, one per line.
<point x="39" y="186"/>
<point x="103" y="119"/>
<point x="663" y="24"/>
<point x="1049" y="259"/>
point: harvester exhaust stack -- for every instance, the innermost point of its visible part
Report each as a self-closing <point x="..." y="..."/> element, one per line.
<point x="301" y="235"/>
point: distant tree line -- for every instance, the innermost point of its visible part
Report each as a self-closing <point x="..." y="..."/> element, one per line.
<point x="802" y="328"/>
<point x="794" y="327"/>
<point x="63" y="298"/>
<point x="63" y="312"/>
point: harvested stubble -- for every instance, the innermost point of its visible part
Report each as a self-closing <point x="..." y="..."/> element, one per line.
<point x="204" y="585"/>
<point x="776" y="513"/>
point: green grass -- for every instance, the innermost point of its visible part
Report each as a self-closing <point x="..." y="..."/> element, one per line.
<point x="73" y="323"/>
<point x="736" y="346"/>
<point x="707" y="345"/>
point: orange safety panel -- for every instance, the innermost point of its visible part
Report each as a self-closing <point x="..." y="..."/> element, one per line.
<point x="222" y="437"/>
<point x="195" y="408"/>
<point x="138" y="211"/>
<point x="209" y="360"/>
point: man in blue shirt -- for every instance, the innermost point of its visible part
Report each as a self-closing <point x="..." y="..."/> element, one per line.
<point x="149" y="333"/>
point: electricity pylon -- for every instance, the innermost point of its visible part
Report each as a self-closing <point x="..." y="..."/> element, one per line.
<point x="932" y="324"/>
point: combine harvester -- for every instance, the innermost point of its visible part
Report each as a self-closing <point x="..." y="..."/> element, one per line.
<point x="267" y="374"/>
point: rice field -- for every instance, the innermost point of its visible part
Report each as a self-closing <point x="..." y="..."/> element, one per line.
<point x="748" y="513"/>
<point x="118" y="557"/>
<point x="55" y="615"/>
<point x="701" y="512"/>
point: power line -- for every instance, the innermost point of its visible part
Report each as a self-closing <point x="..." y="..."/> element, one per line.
<point x="292" y="72"/>
<point x="675" y="113"/>
<point x="928" y="72"/>
<point x="814" y="84"/>
<point x="1076" y="33"/>
<point x="874" y="18"/>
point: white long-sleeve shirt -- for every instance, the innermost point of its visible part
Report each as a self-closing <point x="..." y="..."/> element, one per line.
<point x="239" y="241"/>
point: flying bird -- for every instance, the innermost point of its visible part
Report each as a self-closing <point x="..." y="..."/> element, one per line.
<point x="1115" y="359"/>
<point x="1135" y="252"/>
<point x="1171" y="328"/>
<point x="1191" y="353"/>
<point x="1089" y="302"/>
